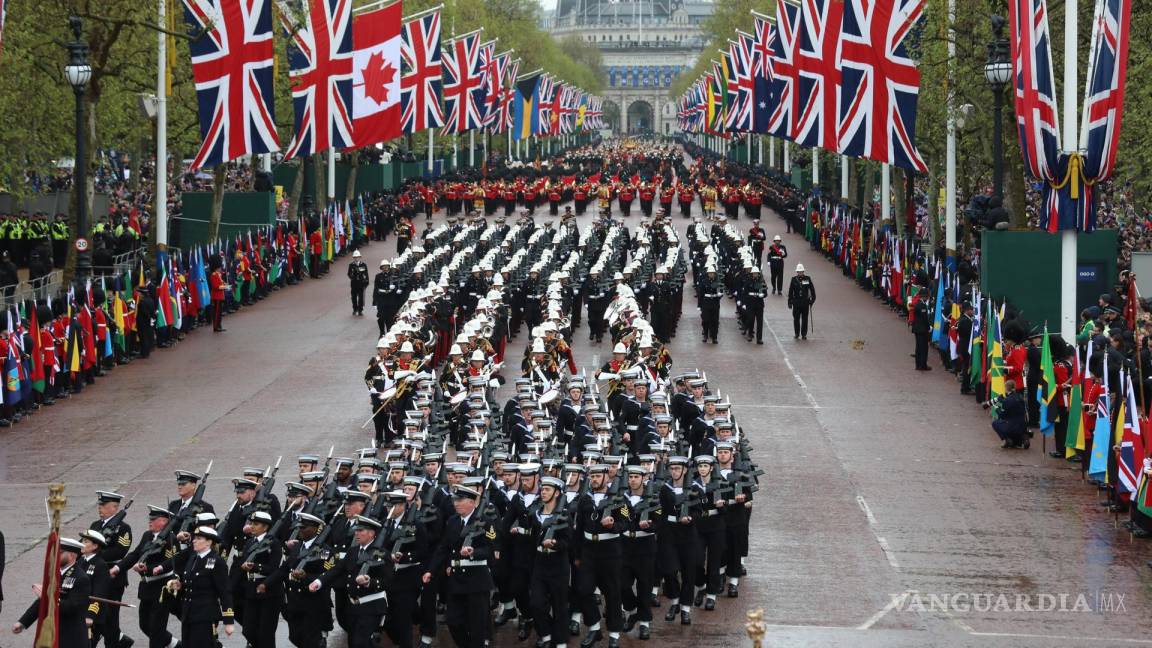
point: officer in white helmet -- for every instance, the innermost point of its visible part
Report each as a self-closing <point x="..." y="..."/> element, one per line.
<point x="358" y="276"/>
<point x="801" y="297"/>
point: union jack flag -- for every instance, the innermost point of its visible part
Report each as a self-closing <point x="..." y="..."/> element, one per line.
<point x="819" y="74"/>
<point x="741" y="86"/>
<point x="496" y="66"/>
<point x="880" y="83"/>
<point x="785" y="98"/>
<point x="232" y="68"/>
<point x="1035" y="92"/>
<point x="556" y="109"/>
<point x="593" y="116"/>
<point x="1131" y="443"/>
<point x="1104" y="91"/>
<point x="569" y="101"/>
<point x="464" y="84"/>
<point x="544" y="109"/>
<point x="509" y="96"/>
<point x="320" y="69"/>
<point x="421" y="84"/>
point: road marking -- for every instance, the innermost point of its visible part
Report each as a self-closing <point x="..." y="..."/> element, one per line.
<point x="1022" y="635"/>
<point x="886" y="609"/>
<point x="872" y="524"/>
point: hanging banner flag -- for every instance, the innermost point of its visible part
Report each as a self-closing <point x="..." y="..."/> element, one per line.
<point x="819" y="73"/>
<point x="785" y="73"/>
<point x="232" y="69"/>
<point x="421" y="85"/>
<point x="880" y="83"/>
<point x="320" y="70"/>
<point x="376" y="75"/>
<point x="763" y="74"/>
<point x="463" y="84"/>
<point x="526" y="113"/>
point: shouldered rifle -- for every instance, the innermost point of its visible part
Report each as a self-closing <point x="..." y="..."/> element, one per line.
<point x="312" y="552"/>
<point x="114" y="522"/>
<point x="557" y="522"/>
<point x="650" y="500"/>
<point x="265" y="545"/>
<point x="267" y="483"/>
<point x="178" y="522"/>
<point x="479" y="517"/>
<point x="688" y="499"/>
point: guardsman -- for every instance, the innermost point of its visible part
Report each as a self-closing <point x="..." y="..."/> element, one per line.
<point x="118" y="535"/>
<point x="75" y="588"/>
<point x="626" y="196"/>
<point x="777" y="252"/>
<point x="580" y="197"/>
<point x="554" y="199"/>
<point x="801" y="297"/>
<point x="647" y="194"/>
<point x="686" y="195"/>
<point x="667" y="195"/>
<point x="205" y="594"/>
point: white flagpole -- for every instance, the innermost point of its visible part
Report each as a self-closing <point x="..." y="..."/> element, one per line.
<point x="885" y="192"/>
<point x="815" y="167"/>
<point x="760" y="150"/>
<point x="430" y="143"/>
<point x="332" y="174"/>
<point x="161" y="199"/>
<point x="950" y="153"/>
<point x="472" y="148"/>
<point x="772" y="152"/>
<point x="787" y="159"/>
<point x="1071" y="143"/>
<point x="844" y="177"/>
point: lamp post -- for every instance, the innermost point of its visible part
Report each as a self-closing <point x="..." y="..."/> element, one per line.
<point x="78" y="72"/>
<point x="998" y="72"/>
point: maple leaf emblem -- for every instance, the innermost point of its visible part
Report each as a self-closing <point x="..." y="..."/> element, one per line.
<point x="378" y="75"/>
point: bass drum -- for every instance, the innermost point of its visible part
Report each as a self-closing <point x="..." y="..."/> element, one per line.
<point x="549" y="396"/>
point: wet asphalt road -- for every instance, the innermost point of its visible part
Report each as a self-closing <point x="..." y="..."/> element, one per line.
<point x="889" y="515"/>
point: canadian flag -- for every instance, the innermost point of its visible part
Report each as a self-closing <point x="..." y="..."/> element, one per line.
<point x="376" y="75"/>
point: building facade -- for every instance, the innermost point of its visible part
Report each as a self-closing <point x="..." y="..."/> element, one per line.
<point x="645" y="45"/>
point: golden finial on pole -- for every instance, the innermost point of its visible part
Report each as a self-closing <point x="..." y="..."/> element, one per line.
<point x="755" y="627"/>
<point x="47" y="632"/>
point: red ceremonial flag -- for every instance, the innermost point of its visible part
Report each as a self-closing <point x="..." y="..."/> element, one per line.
<point x="376" y="75"/>
<point x="1131" y="305"/>
<point x="48" y="618"/>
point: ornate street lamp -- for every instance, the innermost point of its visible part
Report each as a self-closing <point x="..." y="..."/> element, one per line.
<point x="78" y="72"/>
<point x="998" y="72"/>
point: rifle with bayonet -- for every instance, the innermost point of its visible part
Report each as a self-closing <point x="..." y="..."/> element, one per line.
<point x="267" y="483"/>
<point x="322" y="495"/>
<point x="318" y="545"/>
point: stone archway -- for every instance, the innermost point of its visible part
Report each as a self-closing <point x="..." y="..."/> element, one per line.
<point x="611" y="116"/>
<point x="641" y="117"/>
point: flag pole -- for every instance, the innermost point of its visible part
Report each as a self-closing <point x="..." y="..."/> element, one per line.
<point x="1071" y="143"/>
<point x="950" y="151"/>
<point x="472" y="148"/>
<point x="430" y="143"/>
<point x="844" y="177"/>
<point x="160" y="207"/>
<point x="331" y="174"/>
<point x="421" y="14"/>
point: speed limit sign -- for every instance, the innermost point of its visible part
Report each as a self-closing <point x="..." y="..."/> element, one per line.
<point x="81" y="244"/>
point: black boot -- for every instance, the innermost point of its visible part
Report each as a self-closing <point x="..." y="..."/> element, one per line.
<point x="591" y="639"/>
